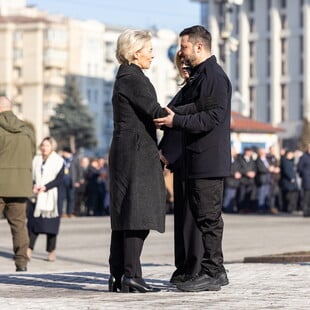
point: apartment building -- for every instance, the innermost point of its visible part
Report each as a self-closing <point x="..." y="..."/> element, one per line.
<point x="39" y="51"/>
<point x="264" y="46"/>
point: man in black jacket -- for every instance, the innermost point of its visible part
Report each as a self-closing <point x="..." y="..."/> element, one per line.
<point x="207" y="151"/>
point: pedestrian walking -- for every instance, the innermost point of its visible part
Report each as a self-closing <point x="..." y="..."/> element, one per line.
<point x="17" y="148"/>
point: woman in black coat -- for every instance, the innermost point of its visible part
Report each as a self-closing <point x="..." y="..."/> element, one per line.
<point x="44" y="213"/>
<point x="137" y="189"/>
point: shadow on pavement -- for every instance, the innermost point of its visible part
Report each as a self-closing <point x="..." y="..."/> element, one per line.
<point x="71" y="281"/>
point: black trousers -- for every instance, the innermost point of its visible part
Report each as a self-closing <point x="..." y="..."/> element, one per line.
<point x="188" y="246"/>
<point x="306" y="202"/>
<point x="50" y="241"/>
<point x="206" y="200"/>
<point x="125" y="251"/>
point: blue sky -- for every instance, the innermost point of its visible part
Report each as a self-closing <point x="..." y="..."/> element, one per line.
<point x="170" y="14"/>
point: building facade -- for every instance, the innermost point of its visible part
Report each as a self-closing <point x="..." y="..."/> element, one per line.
<point x="264" y="47"/>
<point x="40" y="51"/>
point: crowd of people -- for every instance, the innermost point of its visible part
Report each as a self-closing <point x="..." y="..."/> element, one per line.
<point x="270" y="181"/>
<point x="85" y="185"/>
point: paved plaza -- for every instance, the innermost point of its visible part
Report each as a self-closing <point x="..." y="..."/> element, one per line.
<point x="78" y="278"/>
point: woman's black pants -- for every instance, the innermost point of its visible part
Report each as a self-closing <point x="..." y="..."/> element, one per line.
<point x="125" y="251"/>
<point x="50" y="241"/>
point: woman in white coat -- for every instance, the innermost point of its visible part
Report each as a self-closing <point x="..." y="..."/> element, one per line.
<point x="44" y="213"/>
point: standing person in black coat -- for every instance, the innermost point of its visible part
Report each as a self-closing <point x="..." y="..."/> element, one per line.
<point x="44" y="213"/>
<point x="137" y="189"/>
<point x="247" y="188"/>
<point x="207" y="147"/>
<point x="263" y="181"/>
<point x="188" y="248"/>
<point x="275" y="192"/>
<point x="288" y="182"/>
<point x="232" y="184"/>
<point x="303" y="168"/>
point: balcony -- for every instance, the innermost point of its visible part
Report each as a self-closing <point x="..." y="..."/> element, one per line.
<point x="55" y="58"/>
<point x="54" y="80"/>
<point x="54" y="62"/>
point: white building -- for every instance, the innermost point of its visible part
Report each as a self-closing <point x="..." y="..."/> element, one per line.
<point x="39" y="51"/>
<point x="265" y="48"/>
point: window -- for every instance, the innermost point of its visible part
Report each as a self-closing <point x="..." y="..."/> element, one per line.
<point x="17" y="35"/>
<point x="283" y="4"/>
<point x="283" y="92"/>
<point x="58" y="36"/>
<point x="283" y="46"/>
<point x="268" y="104"/>
<point x="89" y="95"/>
<point x="283" y="113"/>
<point x="251" y="24"/>
<point x="283" y="21"/>
<point x="95" y="96"/>
<point x="17" y="53"/>
<point x="301" y="15"/>
<point x="252" y="70"/>
<point x="283" y="67"/>
<point x="109" y="51"/>
<point x="269" y="2"/>
<point x="17" y="72"/>
<point x="301" y="44"/>
<point x="268" y="67"/>
<point x="251" y="6"/>
<point x="251" y="48"/>
<point x="301" y="99"/>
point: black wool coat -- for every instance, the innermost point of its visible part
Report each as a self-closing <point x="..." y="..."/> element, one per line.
<point x="137" y="189"/>
<point x="207" y="133"/>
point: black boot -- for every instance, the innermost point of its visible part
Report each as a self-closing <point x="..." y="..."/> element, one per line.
<point x="128" y="284"/>
<point x="114" y="284"/>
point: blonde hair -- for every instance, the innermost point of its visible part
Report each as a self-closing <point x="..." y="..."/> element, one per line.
<point x="178" y="63"/>
<point x="52" y="141"/>
<point x="129" y="42"/>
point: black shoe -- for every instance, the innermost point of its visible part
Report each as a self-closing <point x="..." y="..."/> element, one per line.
<point x="21" y="268"/>
<point x="114" y="285"/>
<point x="181" y="278"/>
<point x="222" y="278"/>
<point x="201" y="282"/>
<point x="177" y="278"/>
<point x="139" y="285"/>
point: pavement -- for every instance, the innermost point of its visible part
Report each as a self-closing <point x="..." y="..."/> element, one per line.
<point x="78" y="278"/>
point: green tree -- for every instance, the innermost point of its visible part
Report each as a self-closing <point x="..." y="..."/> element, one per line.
<point x="304" y="139"/>
<point x="72" y="123"/>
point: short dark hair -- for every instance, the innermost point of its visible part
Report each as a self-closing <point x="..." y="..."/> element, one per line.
<point x="198" y="33"/>
<point x="67" y="149"/>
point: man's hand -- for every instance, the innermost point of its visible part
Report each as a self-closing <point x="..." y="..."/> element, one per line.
<point x="167" y="120"/>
